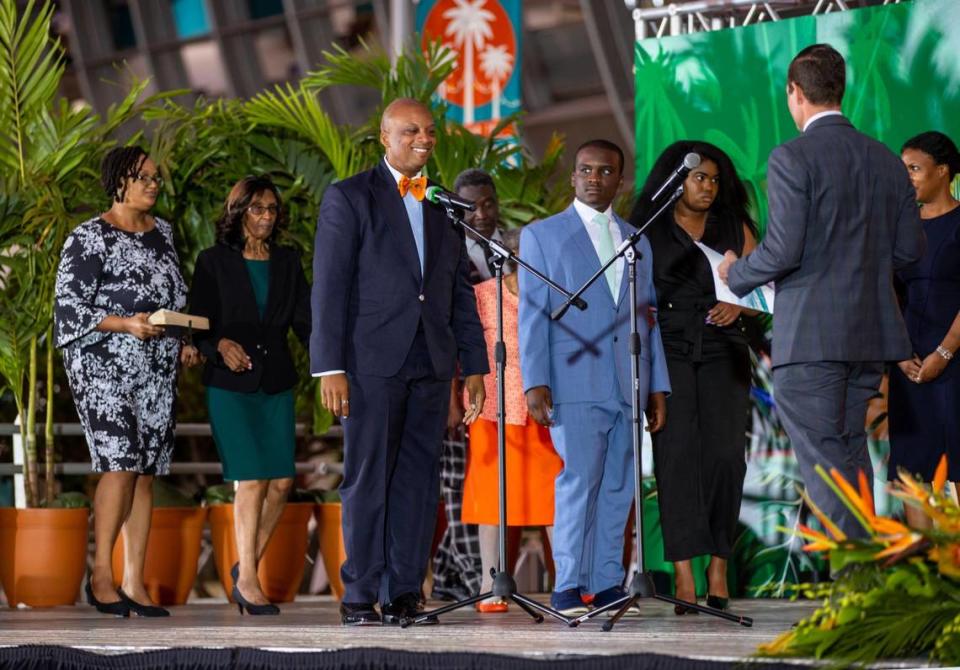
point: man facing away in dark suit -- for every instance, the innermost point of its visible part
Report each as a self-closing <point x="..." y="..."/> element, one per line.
<point x="843" y="217"/>
<point x="393" y="313"/>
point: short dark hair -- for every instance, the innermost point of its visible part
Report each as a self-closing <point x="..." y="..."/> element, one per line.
<point x="939" y="147"/>
<point x="820" y="72"/>
<point x="474" y="177"/>
<point x="230" y="224"/>
<point x="118" y="165"/>
<point x="607" y="145"/>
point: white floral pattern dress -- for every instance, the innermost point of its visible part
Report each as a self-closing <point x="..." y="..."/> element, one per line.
<point x="124" y="388"/>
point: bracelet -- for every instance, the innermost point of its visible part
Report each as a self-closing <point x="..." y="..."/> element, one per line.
<point x="945" y="353"/>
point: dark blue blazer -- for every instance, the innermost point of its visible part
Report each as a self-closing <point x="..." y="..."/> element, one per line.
<point x="369" y="295"/>
<point x="843" y="217"/>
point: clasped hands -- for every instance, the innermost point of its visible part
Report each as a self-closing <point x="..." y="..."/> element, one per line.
<point x="926" y="370"/>
<point x="540" y="407"/>
<point x="335" y="395"/>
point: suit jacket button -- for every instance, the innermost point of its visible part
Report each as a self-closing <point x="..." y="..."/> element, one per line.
<point x="421" y="298"/>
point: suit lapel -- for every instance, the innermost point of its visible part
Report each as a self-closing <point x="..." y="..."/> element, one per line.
<point x="389" y="205"/>
<point x="625" y="232"/>
<point x="587" y="250"/>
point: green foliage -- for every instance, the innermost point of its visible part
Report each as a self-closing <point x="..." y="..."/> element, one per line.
<point x="70" y="500"/>
<point x="871" y="613"/>
<point x="221" y="494"/>
<point x="166" y="494"/>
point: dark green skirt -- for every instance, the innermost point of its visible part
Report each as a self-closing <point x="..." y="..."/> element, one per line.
<point x="254" y="433"/>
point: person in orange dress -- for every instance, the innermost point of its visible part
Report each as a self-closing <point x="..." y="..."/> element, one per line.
<point x="532" y="462"/>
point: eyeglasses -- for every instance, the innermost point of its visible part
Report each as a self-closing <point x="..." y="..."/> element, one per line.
<point x="260" y="210"/>
<point x="144" y="178"/>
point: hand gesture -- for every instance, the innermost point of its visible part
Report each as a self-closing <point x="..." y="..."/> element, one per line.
<point x="723" y="314"/>
<point x="477" y="394"/>
<point x="190" y="356"/>
<point x="335" y="393"/>
<point x="138" y="326"/>
<point x="911" y="368"/>
<point x="540" y="405"/>
<point x="656" y="412"/>
<point x="233" y="355"/>
<point x="723" y="269"/>
<point x="931" y="368"/>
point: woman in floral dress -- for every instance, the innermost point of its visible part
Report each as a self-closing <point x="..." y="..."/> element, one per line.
<point x="114" y="271"/>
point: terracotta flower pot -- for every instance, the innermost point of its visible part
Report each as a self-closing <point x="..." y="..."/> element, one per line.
<point x="43" y="555"/>
<point x="331" y="544"/>
<point x="173" y="552"/>
<point x="281" y="567"/>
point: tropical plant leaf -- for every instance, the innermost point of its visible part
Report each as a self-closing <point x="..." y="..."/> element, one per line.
<point x="31" y="65"/>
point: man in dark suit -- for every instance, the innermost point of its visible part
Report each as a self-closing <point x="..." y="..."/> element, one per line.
<point x="843" y="217"/>
<point x="393" y="313"/>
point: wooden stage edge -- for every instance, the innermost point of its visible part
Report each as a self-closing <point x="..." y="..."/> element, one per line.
<point x="312" y="624"/>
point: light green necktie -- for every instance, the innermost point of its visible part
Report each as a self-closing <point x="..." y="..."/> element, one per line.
<point x="605" y="250"/>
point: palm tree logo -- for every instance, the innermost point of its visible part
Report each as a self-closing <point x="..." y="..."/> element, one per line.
<point x="497" y="65"/>
<point x="470" y="27"/>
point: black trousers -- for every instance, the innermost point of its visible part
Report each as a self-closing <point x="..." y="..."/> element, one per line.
<point x="391" y="478"/>
<point x="699" y="457"/>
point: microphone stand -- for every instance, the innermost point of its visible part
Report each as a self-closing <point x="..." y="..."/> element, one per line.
<point x="641" y="586"/>
<point x="504" y="585"/>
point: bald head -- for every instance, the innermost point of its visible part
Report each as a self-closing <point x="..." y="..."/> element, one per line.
<point x="408" y="134"/>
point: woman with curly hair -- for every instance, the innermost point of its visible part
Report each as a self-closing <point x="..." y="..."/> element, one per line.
<point x="699" y="457"/>
<point x="254" y="291"/>
<point x="925" y="390"/>
<point x="115" y="269"/>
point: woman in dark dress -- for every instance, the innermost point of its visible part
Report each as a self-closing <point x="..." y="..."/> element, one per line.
<point x="924" y="404"/>
<point x="115" y="269"/>
<point x="253" y="291"/>
<point x="699" y="457"/>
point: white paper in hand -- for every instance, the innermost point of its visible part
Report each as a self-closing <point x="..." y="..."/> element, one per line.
<point x="760" y="298"/>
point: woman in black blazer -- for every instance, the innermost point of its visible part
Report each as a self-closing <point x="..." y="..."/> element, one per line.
<point x="253" y="291"/>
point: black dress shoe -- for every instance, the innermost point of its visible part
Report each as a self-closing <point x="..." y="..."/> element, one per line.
<point x="403" y="607"/>
<point x="118" y="608"/>
<point x="717" y="602"/>
<point x="141" y="610"/>
<point x="359" y="614"/>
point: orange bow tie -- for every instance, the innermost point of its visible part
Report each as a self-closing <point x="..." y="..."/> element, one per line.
<point x="417" y="186"/>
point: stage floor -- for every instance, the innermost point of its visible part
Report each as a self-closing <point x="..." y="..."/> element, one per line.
<point x="312" y="624"/>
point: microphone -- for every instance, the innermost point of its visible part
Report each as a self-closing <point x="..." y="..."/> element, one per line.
<point x="690" y="161"/>
<point x="438" y="196"/>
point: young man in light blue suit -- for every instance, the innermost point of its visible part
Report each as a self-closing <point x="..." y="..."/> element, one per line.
<point x="576" y="375"/>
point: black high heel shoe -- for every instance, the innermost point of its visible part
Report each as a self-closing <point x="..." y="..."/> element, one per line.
<point x="244" y="604"/>
<point x="118" y="608"/>
<point x="718" y="602"/>
<point x="141" y="610"/>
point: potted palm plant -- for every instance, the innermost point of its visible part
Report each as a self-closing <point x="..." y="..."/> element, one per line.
<point x="46" y="147"/>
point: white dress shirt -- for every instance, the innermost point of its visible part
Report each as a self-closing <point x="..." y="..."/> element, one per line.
<point x="475" y="252"/>
<point x="587" y="214"/>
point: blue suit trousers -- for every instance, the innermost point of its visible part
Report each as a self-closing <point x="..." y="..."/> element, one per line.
<point x="593" y="492"/>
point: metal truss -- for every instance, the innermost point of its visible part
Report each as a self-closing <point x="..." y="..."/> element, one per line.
<point x="676" y="18"/>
